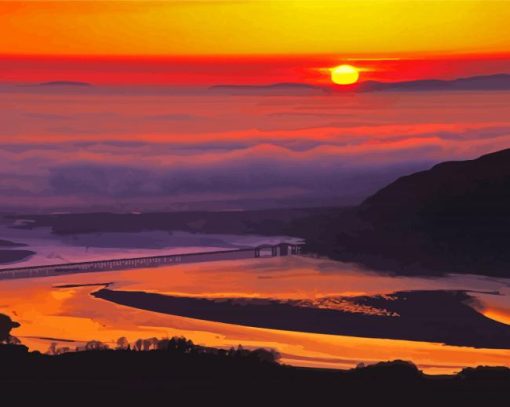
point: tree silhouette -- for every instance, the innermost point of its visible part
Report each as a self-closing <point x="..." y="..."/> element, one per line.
<point x="265" y="355"/>
<point x="122" y="343"/>
<point x="138" y="346"/>
<point x="6" y="324"/>
<point x="52" y="349"/>
<point x="154" y="343"/>
<point x="146" y="343"/>
<point x="95" y="345"/>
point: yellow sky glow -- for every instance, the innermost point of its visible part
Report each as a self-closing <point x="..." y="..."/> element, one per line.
<point x="350" y="27"/>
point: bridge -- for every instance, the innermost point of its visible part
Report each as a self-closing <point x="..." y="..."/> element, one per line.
<point x="282" y="249"/>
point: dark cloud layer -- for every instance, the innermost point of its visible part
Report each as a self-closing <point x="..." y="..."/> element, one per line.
<point x="306" y="181"/>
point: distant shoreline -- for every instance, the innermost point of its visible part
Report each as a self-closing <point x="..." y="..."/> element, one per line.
<point x="14" y="256"/>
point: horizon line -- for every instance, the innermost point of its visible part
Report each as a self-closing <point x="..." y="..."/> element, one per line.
<point x="350" y="57"/>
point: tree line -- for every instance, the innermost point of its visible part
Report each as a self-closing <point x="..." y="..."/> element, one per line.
<point x="175" y="344"/>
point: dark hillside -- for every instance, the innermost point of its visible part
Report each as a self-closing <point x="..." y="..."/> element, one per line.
<point x="453" y="218"/>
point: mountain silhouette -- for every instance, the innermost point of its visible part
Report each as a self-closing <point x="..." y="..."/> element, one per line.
<point x="64" y="83"/>
<point x="453" y="218"/>
<point x="276" y="89"/>
<point x="457" y="189"/>
<point x="485" y="82"/>
<point x="473" y="83"/>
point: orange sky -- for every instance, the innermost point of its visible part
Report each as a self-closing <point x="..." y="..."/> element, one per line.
<point x="367" y="27"/>
<point x="256" y="69"/>
<point x="268" y="34"/>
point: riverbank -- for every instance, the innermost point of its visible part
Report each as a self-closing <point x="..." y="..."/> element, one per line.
<point x="62" y="307"/>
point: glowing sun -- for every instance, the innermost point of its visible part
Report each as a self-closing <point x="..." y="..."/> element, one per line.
<point x="344" y="75"/>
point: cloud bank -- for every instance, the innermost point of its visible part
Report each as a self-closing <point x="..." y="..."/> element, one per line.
<point x="143" y="151"/>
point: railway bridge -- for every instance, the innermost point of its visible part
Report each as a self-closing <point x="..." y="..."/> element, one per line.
<point x="282" y="249"/>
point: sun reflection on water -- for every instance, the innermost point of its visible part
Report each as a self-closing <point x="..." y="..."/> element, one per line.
<point x="48" y="313"/>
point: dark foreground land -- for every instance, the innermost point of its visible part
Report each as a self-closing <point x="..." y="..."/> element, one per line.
<point x="170" y="371"/>
<point x="190" y="375"/>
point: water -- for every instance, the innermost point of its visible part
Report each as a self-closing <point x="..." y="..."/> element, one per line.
<point x="50" y="248"/>
<point x="72" y="316"/>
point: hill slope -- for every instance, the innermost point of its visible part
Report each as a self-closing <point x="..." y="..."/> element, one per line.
<point x="453" y="218"/>
<point x="479" y="188"/>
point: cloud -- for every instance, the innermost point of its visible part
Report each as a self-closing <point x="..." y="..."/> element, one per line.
<point x="234" y="181"/>
<point x="154" y="151"/>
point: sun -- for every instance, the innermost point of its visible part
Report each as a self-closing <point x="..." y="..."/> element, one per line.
<point x="344" y="75"/>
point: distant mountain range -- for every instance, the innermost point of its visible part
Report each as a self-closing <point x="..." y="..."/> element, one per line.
<point x="64" y="83"/>
<point x="488" y="82"/>
<point x="474" y="83"/>
<point x="280" y="89"/>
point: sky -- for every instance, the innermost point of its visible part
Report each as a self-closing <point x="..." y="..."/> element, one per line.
<point x="250" y="41"/>
<point x="248" y="27"/>
<point x="152" y="136"/>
